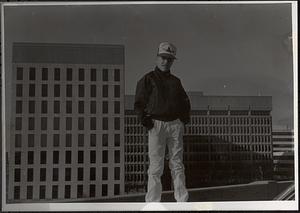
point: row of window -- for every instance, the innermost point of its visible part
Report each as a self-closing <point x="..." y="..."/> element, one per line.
<point x="69" y="92"/>
<point x="68" y="157"/>
<point x="53" y="174"/>
<point x="56" y="121"/>
<point x="135" y="157"/>
<point x="67" y="191"/>
<point x="135" y="149"/>
<point x="69" y="73"/>
<point x="67" y="139"/>
<point x="67" y="105"/>
<point x="134" y="140"/>
<point x="135" y="178"/>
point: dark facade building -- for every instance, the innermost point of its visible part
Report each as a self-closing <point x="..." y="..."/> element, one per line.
<point x="228" y="141"/>
<point x="66" y="119"/>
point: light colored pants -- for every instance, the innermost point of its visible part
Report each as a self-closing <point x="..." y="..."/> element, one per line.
<point x="161" y="135"/>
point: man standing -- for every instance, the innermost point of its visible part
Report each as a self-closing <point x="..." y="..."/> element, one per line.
<point x="163" y="108"/>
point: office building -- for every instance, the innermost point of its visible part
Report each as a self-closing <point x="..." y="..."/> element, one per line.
<point x="228" y="141"/>
<point x="66" y="117"/>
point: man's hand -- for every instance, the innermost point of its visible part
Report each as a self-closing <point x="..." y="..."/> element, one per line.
<point x="147" y="122"/>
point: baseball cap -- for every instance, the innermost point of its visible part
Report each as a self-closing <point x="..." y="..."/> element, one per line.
<point x="167" y="49"/>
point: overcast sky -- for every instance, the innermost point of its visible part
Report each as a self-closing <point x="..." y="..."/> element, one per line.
<point x="222" y="49"/>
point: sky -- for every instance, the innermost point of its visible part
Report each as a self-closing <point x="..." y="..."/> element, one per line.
<point x="232" y="50"/>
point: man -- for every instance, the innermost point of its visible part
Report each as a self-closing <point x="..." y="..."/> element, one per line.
<point x="163" y="108"/>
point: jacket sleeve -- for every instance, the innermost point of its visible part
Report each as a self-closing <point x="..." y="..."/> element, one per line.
<point x="142" y="93"/>
<point x="186" y="106"/>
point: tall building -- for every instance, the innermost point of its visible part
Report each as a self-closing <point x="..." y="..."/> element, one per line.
<point x="283" y="152"/>
<point x="66" y="121"/>
<point x="228" y="141"/>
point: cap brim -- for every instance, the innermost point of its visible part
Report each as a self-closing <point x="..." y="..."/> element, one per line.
<point x="167" y="55"/>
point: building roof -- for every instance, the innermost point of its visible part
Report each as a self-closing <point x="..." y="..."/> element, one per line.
<point x="202" y="102"/>
<point x="68" y="53"/>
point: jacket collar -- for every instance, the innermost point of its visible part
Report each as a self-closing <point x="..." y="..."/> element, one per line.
<point x="162" y="72"/>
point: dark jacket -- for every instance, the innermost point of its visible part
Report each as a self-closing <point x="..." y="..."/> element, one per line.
<point x="160" y="95"/>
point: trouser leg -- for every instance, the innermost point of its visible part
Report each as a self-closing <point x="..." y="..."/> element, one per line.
<point x="175" y="147"/>
<point x="156" y="146"/>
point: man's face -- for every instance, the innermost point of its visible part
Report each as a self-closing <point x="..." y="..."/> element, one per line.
<point x="164" y="63"/>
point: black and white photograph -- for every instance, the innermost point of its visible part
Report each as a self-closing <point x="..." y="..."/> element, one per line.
<point x="149" y="106"/>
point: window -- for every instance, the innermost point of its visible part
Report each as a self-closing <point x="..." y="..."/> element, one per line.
<point x="16" y="192"/>
<point x="32" y="73"/>
<point x="42" y="192"/>
<point x="56" y="123"/>
<point x="104" y="156"/>
<point x="105" y="140"/>
<point x="54" y="191"/>
<point x="44" y="74"/>
<point x="18" y="124"/>
<point x="30" y="157"/>
<point x="81" y="123"/>
<point x="43" y="157"/>
<point x="19" y="90"/>
<point x="104" y="173"/>
<point x="56" y="140"/>
<point x="105" y="74"/>
<point x="55" y="157"/>
<point x="117" y="75"/>
<point x="93" y="123"/>
<point x="69" y="107"/>
<point x="104" y="189"/>
<point x="93" y="156"/>
<point x="117" y="139"/>
<point x="68" y="174"/>
<point x="93" y="90"/>
<point x="19" y="73"/>
<point x="79" y="191"/>
<point x="17" y="158"/>
<point x="43" y="140"/>
<point x="31" y="107"/>
<point x="69" y="90"/>
<point x="29" y="192"/>
<point x="68" y="157"/>
<point x="69" y="74"/>
<point x="44" y="123"/>
<point x="31" y="90"/>
<point x="117" y="107"/>
<point x="92" y="173"/>
<point x="42" y="174"/>
<point x="93" y="140"/>
<point x="117" y="156"/>
<point x="80" y="156"/>
<point x="93" y="75"/>
<point x="69" y="123"/>
<point x="56" y="90"/>
<point x="117" y="91"/>
<point x="44" y="90"/>
<point x="81" y="74"/>
<point x="56" y="74"/>
<point x="17" y="175"/>
<point x="117" y="123"/>
<point x="93" y="107"/>
<point x="67" y="191"/>
<point x="80" y="140"/>
<point x="18" y="140"/>
<point x="19" y="107"/>
<point x="44" y="107"/>
<point x="80" y="107"/>
<point x="117" y="173"/>
<point x="55" y="174"/>
<point x="29" y="174"/>
<point x="92" y="190"/>
<point x="105" y="91"/>
<point x="30" y="123"/>
<point x="105" y="123"/>
<point x="116" y="189"/>
<point x="105" y="107"/>
<point x="30" y="140"/>
<point x="80" y="174"/>
<point x="81" y="90"/>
